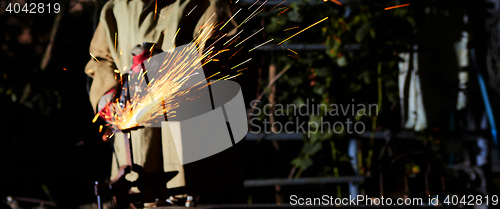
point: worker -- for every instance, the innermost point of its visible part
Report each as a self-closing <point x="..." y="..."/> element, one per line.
<point x="127" y="29"/>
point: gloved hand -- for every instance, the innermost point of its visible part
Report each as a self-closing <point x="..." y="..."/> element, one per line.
<point x="120" y="93"/>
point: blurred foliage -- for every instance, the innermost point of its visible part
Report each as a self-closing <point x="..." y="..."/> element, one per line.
<point x="359" y="65"/>
<point x="24" y="38"/>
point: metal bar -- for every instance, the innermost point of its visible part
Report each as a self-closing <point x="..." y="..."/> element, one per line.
<point x="33" y="200"/>
<point x="287" y="2"/>
<point x="486" y="100"/>
<point x="302" y="181"/>
<point x="99" y="202"/>
<point x="379" y="135"/>
<point x="353" y="154"/>
<point x="296" y="47"/>
<point x="302" y="47"/>
<point x="128" y="147"/>
<point x="277" y="137"/>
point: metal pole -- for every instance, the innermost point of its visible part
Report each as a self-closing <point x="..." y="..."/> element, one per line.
<point x="128" y="147"/>
<point x="99" y="201"/>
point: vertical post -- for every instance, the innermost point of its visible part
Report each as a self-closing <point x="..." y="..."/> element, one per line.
<point x="128" y="148"/>
<point x="99" y="201"/>
<point x="352" y="151"/>
<point x="272" y="96"/>
<point x="272" y="101"/>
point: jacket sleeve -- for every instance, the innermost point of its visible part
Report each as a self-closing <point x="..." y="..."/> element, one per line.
<point x="101" y="66"/>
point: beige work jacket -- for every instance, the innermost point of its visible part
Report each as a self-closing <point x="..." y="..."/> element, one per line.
<point x="125" y="24"/>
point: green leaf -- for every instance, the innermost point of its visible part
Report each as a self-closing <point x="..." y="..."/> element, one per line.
<point x="314" y="136"/>
<point x="294" y="15"/>
<point x="333" y="51"/>
<point x="327" y="133"/>
<point x="357" y="18"/>
<point x="341" y="62"/>
<point x="362" y="31"/>
<point x="328" y="81"/>
<point x="359" y="114"/>
<point x="411" y="20"/>
<point x="295" y="81"/>
<point x="302" y="163"/>
<point x="355" y="87"/>
<point x="311" y="149"/>
<point x="319" y="89"/>
<point x="298" y="102"/>
<point x="322" y="72"/>
<point x="373" y="33"/>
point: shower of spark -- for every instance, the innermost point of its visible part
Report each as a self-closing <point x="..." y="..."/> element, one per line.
<point x="229" y="19"/>
<point x="251" y="15"/>
<point x="164" y="94"/>
<point x="165" y="89"/>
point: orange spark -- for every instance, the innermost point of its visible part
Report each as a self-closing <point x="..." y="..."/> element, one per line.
<point x="234" y="76"/>
<point x="175" y="35"/>
<point x="277" y="5"/>
<point x="236" y="52"/>
<point x="249" y="37"/>
<point x="253" y="4"/>
<point x="156" y="9"/>
<point x="233" y="37"/>
<point x="397" y="6"/>
<point x="251" y="15"/>
<point x="191" y="10"/>
<point x="233" y="41"/>
<point x="230" y="19"/>
<point x="254" y="15"/>
<point x="291" y="50"/>
<point x="303" y="30"/>
<point x="163" y="17"/>
<point x="260" y="45"/>
<point x="213" y="75"/>
<point x="227" y="16"/>
<point x="94" y="57"/>
<point x="241" y="63"/>
<point x="335" y="1"/>
<point x="95" y="118"/>
<point x="284" y="11"/>
<point x="291" y="28"/>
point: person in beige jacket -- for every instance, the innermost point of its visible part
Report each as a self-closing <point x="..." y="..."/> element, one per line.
<point x="125" y="24"/>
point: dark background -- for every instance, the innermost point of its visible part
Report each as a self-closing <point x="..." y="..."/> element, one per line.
<point x="51" y="150"/>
